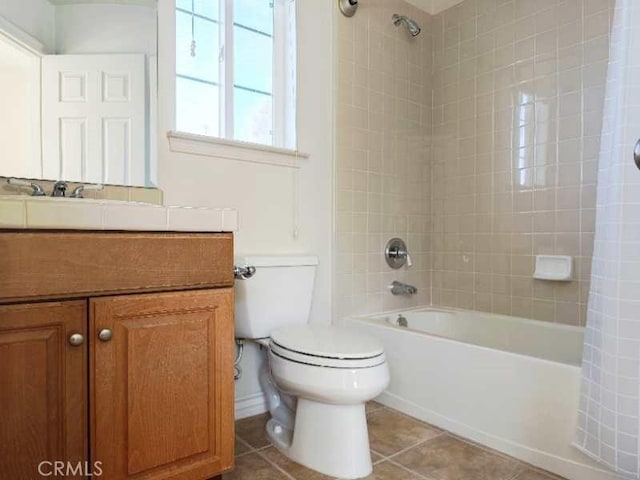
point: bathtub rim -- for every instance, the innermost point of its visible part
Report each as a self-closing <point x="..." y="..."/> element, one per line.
<point x="376" y="319"/>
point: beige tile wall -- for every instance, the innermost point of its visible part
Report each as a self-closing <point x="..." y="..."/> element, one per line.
<point x="518" y="96"/>
<point x="478" y="143"/>
<point x="383" y="172"/>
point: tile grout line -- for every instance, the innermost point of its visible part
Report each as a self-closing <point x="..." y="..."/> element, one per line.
<point x="243" y="442"/>
<point x="390" y="458"/>
<point x="486" y="450"/>
<point x="405" y="450"/>
<point x="490" y="450"/>
<point x="413" y="472"/>
<point x="257" y="450"/>
<point x="273" y="464"/>
<point x="402" y="414"/>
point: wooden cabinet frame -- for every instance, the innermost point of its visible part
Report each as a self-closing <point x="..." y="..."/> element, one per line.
<point x="187" y="339"/>
<point x="43" y="385"/>
<point x="156" y="401"/>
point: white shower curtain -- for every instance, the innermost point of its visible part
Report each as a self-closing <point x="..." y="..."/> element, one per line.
<point x="609" y="414"/>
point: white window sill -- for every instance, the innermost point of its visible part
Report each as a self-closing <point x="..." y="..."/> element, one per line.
<point x="233" y="150"/>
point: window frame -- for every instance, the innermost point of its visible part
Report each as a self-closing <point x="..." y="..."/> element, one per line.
<point x="284" y="75"/>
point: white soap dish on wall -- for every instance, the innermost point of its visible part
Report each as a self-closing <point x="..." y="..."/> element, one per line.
<point x="557" y="268"/>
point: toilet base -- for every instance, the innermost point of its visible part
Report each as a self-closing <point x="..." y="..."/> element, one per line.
<point x="331" y="439"/>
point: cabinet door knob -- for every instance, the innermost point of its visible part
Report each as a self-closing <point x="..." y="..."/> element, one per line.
<point x="105" y="334"/>
<point x="76" y="339"/>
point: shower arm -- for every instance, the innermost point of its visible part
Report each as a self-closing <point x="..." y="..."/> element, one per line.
<point x="411" y="25"/>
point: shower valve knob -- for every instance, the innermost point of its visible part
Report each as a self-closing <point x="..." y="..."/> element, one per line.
<point x="396" y="254"/>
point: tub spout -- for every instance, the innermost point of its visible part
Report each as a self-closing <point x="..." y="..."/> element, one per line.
<point x="399" y="288"/>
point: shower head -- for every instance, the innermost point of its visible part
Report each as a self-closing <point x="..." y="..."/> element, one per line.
<point x="412" y="27"/>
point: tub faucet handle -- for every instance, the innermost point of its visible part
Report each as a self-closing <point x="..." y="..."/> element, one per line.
<point x="396" y="254"/>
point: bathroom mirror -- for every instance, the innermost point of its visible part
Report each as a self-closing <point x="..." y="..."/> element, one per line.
<point x="78" y="90"/>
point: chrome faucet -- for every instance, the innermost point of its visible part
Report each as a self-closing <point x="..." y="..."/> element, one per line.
<point x="78" y="192"/>
<point x="59" y="189"/>
<point x="399" y="288"/>
<point x="244" y="273"/>
<point x="37" y="190"/>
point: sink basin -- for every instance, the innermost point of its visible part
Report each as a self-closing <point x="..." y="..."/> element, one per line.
<point x="22" y="211"/>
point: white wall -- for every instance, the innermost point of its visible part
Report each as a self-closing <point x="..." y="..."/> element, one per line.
<point x="20" y="107"/>
<point x="105" y="29"/>
<point x="264" y="194"/>
<point x="83" y="28"/>
<point x="34" y="17"/>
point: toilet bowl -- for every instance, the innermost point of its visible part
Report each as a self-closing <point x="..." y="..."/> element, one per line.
<point x="318" y="377"/>
<point x="332" y="372"/>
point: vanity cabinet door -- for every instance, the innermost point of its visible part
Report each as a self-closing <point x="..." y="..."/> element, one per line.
<point x="161" y="384"/>
<point x="43" y="388"/>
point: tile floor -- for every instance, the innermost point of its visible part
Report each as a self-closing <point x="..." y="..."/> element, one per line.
<point x="402" y="448"/>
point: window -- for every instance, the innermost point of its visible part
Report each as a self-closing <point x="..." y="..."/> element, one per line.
<point x="235" y="70"/>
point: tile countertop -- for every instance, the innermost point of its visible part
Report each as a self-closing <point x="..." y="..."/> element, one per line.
<point x="86" y="214"/>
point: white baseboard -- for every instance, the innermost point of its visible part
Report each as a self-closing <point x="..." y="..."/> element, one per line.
<point x="561" y="466"/>
<point x="250" y="405"/>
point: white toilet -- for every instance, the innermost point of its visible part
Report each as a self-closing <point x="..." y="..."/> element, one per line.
<point x="323" y="375"/>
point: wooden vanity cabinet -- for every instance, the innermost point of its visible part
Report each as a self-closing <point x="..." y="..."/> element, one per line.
<point x="161" y="403"/>
<point x="136" y="375"/>
<point x="43" y="387"/>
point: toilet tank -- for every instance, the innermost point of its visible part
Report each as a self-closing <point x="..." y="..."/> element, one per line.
<point x="278" y="295"/>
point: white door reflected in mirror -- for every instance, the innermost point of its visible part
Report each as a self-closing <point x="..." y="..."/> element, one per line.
<point x="93" y="118"/>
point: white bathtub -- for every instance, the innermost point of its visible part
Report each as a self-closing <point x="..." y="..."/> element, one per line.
<point x="509" y="383"/>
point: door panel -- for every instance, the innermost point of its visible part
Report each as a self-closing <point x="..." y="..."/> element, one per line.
<point x="93" y="118"/>
<point x="157" y="394"/>
<point x="162" y="386"/>
<point x="42" y="387"/>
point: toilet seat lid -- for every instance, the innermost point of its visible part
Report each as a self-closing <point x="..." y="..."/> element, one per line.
<point x="327" y="342"/>
<point x="346" y="363"/>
